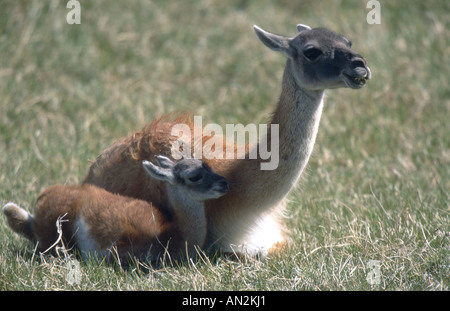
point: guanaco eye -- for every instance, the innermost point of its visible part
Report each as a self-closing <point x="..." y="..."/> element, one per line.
<point x="312" y="54"/>
<point x="196" y="178"/>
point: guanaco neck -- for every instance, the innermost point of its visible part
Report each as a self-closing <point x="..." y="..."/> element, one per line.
<point x="298" y="116"/>
<point x="254" y="190"/>
<point x="189" y="214"/>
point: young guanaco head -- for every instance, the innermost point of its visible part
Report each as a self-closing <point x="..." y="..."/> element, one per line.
<point x="195" y="177"/>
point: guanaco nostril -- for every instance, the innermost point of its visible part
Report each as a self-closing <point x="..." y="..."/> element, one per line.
<point x="358" y="63"/>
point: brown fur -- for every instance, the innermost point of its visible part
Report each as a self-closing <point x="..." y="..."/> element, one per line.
<point x="97" y="221"/>
<point x="114" y="168"/>
<point x="134" y="226"/>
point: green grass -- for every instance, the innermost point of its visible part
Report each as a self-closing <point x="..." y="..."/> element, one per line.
<point x="377" y="185"/>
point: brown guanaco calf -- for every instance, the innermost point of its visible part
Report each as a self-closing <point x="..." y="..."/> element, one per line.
<point x="98" y="221"/>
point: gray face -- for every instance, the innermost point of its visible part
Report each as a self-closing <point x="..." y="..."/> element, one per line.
<point x="319" y="58"/>
<point x="199" y="178"/>
<point x="325" y="60"/>
<point x="194" y="176"/>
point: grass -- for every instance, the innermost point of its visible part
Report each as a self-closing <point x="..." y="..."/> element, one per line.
<point x="377" y="185"/>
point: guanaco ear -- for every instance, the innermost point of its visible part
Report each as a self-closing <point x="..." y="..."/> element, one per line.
<point x="302" y="27"/>
<point x="164" y="162"/>
<point x="159" y="173"/>
<point x="275" y="42"/>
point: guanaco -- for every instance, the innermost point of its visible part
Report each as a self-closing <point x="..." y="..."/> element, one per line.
<point x="248" y="219"/>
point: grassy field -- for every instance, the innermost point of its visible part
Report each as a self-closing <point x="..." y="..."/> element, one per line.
<point x="376" y="188"/>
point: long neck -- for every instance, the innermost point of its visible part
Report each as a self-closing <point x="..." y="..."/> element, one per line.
<point x="254" y="191"/>
<point x="297" y="115"/>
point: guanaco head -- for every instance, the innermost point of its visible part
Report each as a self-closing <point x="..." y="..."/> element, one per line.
<point x="320" y="58"/>
<point x="195" y="176"/>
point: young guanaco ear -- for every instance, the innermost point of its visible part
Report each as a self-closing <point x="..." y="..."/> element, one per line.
<point x="164" y="162"/>
<point x="160" y="173"/>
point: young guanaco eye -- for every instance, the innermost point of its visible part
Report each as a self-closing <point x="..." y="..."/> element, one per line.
<point x="195" y="178"/>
